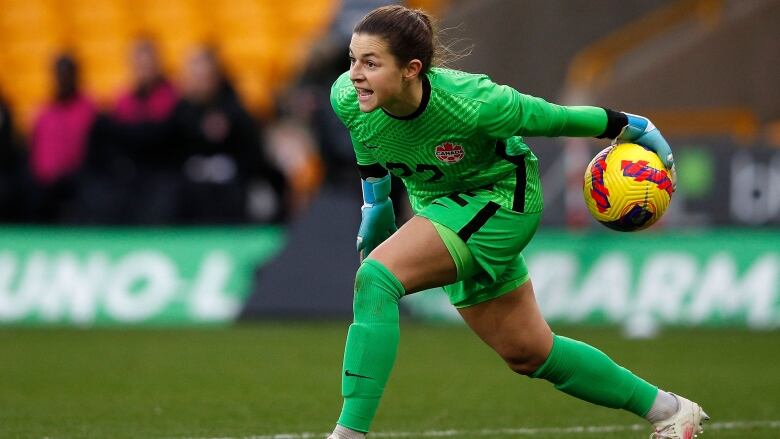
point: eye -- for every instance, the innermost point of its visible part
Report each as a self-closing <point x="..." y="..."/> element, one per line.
<point x="351" y="60"/>
<point x="370" y="64"/>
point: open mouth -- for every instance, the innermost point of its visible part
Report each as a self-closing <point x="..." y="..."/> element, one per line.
<point x="364" y="94"/>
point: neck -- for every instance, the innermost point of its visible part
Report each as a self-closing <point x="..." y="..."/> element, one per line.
<point x="409" y="100"/>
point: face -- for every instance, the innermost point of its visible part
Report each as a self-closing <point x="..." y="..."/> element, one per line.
<point x="201" y="76"/>
<point x="375" y="73"/>
<point x="145" y="64"/>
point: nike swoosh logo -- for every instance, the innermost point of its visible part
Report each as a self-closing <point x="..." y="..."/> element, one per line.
<point x="369" y="146"/>
<point x="350" y="374"/>
<point x="439" y="204"/>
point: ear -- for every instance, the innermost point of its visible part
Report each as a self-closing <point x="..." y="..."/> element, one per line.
<point x="412" y="69"/>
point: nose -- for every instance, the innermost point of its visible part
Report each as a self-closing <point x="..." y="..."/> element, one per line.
<point x="355" y="73"/>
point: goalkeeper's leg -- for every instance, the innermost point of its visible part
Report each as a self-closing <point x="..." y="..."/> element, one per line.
<point x="414" y="258"/>
<point x="514" y="327"/>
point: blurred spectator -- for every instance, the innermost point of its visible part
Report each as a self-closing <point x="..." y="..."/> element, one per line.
<point x="58" y="142"/>
<point x="11" y="198"/>
<point x="222" y="153"/>
<point x="128" y="153"/>
<point x="293" y="148"/>
<point x="152" y="97"/>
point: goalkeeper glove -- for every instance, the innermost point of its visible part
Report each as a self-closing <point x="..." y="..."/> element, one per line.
<point x="378" y="216"/>
<point x="641" y="131"/>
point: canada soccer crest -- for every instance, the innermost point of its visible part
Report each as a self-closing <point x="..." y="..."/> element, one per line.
<point x="449" y="152"/>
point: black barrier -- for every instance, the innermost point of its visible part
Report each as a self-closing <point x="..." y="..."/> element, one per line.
<point x="315" y="273"/>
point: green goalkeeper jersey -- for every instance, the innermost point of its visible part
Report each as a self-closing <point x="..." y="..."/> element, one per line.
<point x="465" y="135"/>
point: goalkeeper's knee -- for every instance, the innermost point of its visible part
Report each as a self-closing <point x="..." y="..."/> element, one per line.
<point x="377" y="292"/>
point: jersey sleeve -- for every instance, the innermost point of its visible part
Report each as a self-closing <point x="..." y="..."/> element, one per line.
<point x="339" y="100"/>
<point x="362" y="154"/>
<point x="505" y="112"/>
<point x="344" y="105"/>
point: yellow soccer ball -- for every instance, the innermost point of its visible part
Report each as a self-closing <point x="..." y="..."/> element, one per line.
<point x="627" y="188"/>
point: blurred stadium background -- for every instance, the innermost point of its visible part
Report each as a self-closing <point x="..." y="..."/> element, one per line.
<point x="179" y="208"/>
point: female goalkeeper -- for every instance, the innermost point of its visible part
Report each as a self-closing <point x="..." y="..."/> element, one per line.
<point x="454" y="140"/>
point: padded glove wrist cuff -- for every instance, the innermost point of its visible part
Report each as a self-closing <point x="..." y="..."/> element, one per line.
<point x="376" y="190"/>
<point x="636" y="127"/>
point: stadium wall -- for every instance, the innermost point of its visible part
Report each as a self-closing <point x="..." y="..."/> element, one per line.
<point x="129" y="276"/>
<point x="139" y="277"/>
<point x="723" y="277"/>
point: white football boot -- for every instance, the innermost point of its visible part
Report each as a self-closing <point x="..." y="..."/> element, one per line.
<point x="685" y="424"/>
<point x="335" y="436"/>
<point x="345" y="433"/>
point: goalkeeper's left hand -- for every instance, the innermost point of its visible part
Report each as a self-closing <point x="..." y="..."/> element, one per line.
<point x="641" y="131"/>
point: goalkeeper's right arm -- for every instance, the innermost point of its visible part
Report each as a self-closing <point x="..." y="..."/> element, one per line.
<point x="378" y="221"/>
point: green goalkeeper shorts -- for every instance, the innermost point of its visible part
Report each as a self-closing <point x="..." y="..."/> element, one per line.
<point x="485" y="241"/>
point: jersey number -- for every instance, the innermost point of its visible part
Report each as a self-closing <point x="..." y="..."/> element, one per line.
<point x="403" y="170"/>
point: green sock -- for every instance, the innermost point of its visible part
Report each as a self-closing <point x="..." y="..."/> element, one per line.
<point x="372" y="343"/>
<point x="587" y="373"/>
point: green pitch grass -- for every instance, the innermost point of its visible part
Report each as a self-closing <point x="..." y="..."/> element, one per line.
<point x="267" y="379"/>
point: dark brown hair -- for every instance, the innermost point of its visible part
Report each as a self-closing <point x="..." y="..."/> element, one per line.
<point x="408" y="32"/>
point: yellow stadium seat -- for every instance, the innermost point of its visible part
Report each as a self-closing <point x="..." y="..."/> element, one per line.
<point x="310" y="18"/>
<point x="291" y="56"/>
<point x="28" y="19"/>
<point x="255" y="92"/>
<point x="28" y="93"/>
<point x="242" y="11"/>
<point x="171" y="14"/>
<point x="174" y="52"/>
<point x="248" y="53"/>
<point x="94" y="24"/>
<point x="111" y="50"/>
<point x="104" y="86"/>
<point x="263" y="43"/>
<point x="31" y="55"/>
